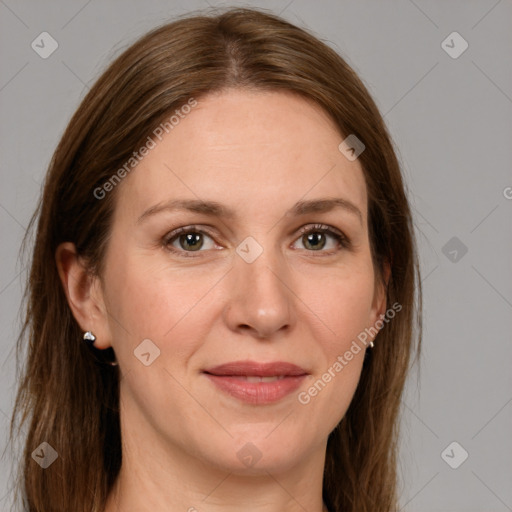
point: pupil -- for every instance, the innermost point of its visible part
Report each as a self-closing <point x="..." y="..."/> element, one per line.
<point x="314" y="237"/>
<point x="191" y="238"/>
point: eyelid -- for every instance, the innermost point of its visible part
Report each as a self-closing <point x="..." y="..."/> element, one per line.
<point x="343" y="240"/>
<point x="326" y="228"/>
<point x="179" y="231"/>
<point x="338" y="235"/>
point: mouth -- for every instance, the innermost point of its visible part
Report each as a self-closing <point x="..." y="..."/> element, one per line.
<point x="254" y="378"/>
<point x="257" y="383"/>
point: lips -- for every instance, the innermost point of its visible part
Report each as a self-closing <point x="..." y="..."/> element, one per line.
<point x="257" y="383"/>
<point x="254" y="369"/>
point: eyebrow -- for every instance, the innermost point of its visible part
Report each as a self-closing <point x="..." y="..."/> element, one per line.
<point x="215" y="209"/>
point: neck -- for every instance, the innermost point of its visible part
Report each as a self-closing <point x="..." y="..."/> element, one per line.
<point x="158" y="476"/>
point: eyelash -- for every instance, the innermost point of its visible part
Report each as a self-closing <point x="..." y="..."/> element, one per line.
<point x="322" y="228"/>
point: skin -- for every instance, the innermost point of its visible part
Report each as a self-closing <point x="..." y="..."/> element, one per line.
<point x="258" y="153"/>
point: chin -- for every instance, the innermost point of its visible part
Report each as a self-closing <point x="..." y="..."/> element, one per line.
<point x="261" y="451"/>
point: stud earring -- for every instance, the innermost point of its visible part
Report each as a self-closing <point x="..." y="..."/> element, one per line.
<point x="89" y="338"/>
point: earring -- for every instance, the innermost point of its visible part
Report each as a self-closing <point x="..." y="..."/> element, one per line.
<point x="371" y="344"/>
<point x="89" y="338"/>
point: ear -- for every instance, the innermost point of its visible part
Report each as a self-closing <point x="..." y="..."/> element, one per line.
<point x="84" y="294"/>
<point x="379" y="297"/>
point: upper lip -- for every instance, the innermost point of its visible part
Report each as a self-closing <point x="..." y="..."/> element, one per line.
<point x="253" y="368"/>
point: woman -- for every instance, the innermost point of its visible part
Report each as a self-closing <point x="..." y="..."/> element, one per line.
<point x="222" y="300"/>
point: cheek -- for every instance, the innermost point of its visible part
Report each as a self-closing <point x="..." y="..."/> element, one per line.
<point x="339" y="307"/>
<point x="344" y="308"/>
<point x="147" y="301"/>
<point x="341" y="300"/>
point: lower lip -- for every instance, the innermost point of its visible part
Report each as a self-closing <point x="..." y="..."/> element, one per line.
<point x="257" y="392"/>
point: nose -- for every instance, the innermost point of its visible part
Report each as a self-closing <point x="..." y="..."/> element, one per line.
<point x="261" y="298"/>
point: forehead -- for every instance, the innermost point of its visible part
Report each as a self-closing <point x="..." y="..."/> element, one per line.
<point x="254" y="151"/>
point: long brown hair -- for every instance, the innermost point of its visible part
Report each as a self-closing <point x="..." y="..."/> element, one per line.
<point x="68" y="396"/>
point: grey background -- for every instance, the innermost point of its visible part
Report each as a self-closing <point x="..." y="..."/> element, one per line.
<point x="452" y="122"/>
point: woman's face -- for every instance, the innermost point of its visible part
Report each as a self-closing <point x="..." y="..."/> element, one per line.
<point x="243" y="286"/>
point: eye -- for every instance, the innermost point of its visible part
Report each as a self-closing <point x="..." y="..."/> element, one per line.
<point x="315" y="238"/>
<point x="189" y="239"/>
